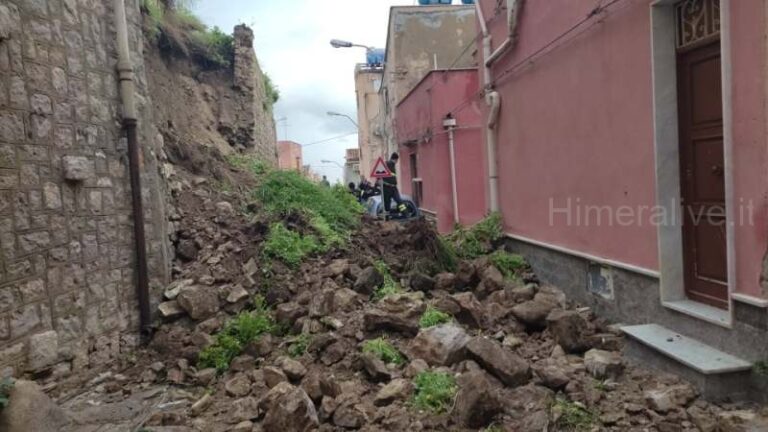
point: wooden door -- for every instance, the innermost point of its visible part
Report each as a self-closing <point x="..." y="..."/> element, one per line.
<point x="702" y="175"/>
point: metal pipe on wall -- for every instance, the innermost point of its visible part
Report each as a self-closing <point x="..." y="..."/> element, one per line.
<point x="450" y="124"/>
<point x="130" y="120"/>
<point x="493" y="99"/>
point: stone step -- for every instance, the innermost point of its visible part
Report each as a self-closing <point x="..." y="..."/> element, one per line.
<point x="717" y="374"/>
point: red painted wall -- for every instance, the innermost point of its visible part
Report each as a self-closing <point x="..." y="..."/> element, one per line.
<point x="420" y="115"/>
<point x="577" y="123"/>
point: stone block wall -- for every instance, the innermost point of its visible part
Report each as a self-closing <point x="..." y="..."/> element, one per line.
<point x="67" y="292"/>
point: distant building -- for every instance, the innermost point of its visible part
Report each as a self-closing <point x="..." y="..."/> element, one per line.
<point x="306" y="171"/>
<point x="352" y="166"/>
<point x="289" y="156"/>
<point x="370" y="137"/>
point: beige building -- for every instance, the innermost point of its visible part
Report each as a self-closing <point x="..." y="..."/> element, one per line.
<point x="420" y="39"/>
<point x="370" y="139"/>
<point x="289" y="156"/>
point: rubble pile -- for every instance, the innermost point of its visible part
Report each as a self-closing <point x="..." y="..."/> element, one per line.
<point x="517" y="356"/>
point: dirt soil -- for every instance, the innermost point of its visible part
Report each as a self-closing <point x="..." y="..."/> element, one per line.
<point x="524" y="358"/>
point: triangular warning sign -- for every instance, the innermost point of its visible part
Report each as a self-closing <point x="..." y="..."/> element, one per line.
<point x="380" y="169"/>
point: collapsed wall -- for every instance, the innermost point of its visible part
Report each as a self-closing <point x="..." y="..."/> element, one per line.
<point x="67" y="268"/>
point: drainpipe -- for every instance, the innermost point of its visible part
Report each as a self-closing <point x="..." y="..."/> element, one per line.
<point x="450" y="123"/>
<point x="512" y="17"/>
<point x="493" y="100"/>
<point x="125" y="72"/>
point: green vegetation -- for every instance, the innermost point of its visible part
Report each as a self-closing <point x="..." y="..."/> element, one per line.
<point x="573" y="417"/>
<point x="384" y="350"/>
<point x="434" y="391"/>
<point x="249" y="162"/>
<point x="761" y="367"/>
<point x="390" y="285"/>
<point x="180" y="30"/>
<point x="469" y="243"/>
<point x="332" y="213"/>
<point x="433" y="317"/>
<point x="230" y="341"/>
<point x="508" y="264"/>
<point x="289" y="246"/>
<point x="273" y="93"/>
<point x="6" y="385"/>
<point x="299" y="345"/>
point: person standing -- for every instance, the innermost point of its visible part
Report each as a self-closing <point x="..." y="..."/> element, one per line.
<point x="325" y="182"/>
<point x="390" y="186"/>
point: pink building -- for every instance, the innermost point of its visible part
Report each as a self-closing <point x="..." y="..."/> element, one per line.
<point x="289" y="156"/>
<point x="630" y="147"/>
<point x="425" y="148"/>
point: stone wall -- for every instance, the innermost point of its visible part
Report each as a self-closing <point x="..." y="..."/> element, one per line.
<point x="67" y="292"/>
<point x="246" y="116"/>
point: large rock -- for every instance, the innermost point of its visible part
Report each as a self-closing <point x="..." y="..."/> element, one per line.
<point x="396" y="389"/>
<point x="187" y="250"/>
<point x="466" y="276"/>
<point x="666" y="399"/>
<point x="552" y="376"/>
<point x="569" y="330"/>
<point x="445" y="281"/>
<point x="477" y="401"/>
<point x="508" y="367"/>
<point x="398" y="312"/>
<point x="338" y="267"/>
<point x="491" y="280"/>
<point x="199" y="301"/>
<point x="441" y="345"/>
<point x="31" y="410"/>
<point x="288" y="313"/>
<point x="470" y="310"/>
<point x="238" y="386"/>
<point x="375" y="368"/>
<point x="533" y="313"/>
<point x="422" y="282"/>
<point x="368" y="281"/>
<point x="43" y="350"/>
<point x="293" y="369"/>
<point x="349" y="416"/>
<point x="603" y="364"/>
<point x="741" y="421"/>
<point x="288" y="409"/>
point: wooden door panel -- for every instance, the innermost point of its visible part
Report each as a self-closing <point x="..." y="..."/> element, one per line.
<point x="702" y="175"/>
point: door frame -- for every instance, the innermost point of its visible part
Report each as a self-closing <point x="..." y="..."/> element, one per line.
<point x="667" y="156"/>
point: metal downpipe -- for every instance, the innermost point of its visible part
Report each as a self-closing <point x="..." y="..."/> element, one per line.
<point x="130" y="120"/>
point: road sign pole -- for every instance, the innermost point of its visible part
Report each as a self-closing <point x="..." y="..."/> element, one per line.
<point x="384" y="212"/>
<point x="379" y="172"/>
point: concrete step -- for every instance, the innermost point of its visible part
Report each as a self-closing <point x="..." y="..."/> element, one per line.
<point x="718" y="375"/>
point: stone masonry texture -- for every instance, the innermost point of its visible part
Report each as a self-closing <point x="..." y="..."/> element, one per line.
<point x="67" y="292"/>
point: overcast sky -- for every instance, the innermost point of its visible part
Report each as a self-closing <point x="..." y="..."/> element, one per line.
<point x="292" y="44"/>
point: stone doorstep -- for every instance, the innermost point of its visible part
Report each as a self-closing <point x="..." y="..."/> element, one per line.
<point x="689" y="352"/>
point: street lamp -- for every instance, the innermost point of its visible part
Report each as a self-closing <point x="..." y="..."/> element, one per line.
<point x="337" y="43"/>
<point x="332" y="113"/>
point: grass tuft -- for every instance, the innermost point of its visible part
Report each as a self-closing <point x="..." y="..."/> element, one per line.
<point x="299" y="345"/>
<point x="472" y="242"/>
<point x="390" y="285"/>
<point x="508" y="264"/>
<point x="435" y="391"/>
<point x="239" y="332"/>
<point x="433" y="317"/>
<point x="384" y="350"/>
<point x="289" y="246"/>
<point x="573" y="417"/>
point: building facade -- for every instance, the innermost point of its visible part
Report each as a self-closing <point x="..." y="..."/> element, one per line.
<point x="431" y="116"/>
<point x="632" y="158"/>
<point x="352" y="166"/>
<point x="420" y="39"/>
<point x="289" y="156"/>
<point x="370" y="137"/>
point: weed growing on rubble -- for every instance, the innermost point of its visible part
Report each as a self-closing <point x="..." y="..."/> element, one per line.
<point x="390" y="285"/>
<point x="248" y="162"/>
<point x="573" y="417"/>
<point x="477" y="240"/>
<point x="434" y="391"/>
<point x="384" y="350"/>
<point x="299" y="345"/>
<point x="239" y="332"/>
<point x="6" y="385"/>
<point x="508" y="264"/>
<point x="433" y="317"/>
<point x="289" y="246"/>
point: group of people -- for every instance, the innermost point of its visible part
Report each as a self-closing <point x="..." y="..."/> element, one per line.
<point x="366" y="189"/>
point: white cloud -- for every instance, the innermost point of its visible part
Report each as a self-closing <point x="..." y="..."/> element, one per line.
<point x="292" y="44"/>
